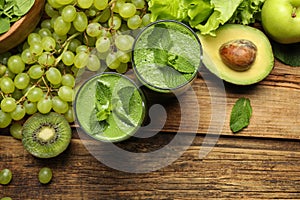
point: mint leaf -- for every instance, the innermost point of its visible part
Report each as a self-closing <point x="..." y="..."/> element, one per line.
<point x="103" y="93"/>
<point x="125" y="95"/>
<point x="180" y="64"/>
<point x="172" y="78"/>
<point x="4" y="25"/>
<point x="160" y="56"/>
<point x="21" y="7"/>
<point x="240" y="114"/>
<point x="160" y="37"/>
<point x="121" y="114"/>
<point x="96" y="126"/>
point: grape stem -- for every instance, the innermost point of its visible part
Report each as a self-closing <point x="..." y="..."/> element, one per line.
<point x="25" y="95"/>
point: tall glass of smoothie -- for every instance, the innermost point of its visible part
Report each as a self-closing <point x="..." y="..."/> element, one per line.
<point x="109" y="107"/>
<point x="166" y="56"/>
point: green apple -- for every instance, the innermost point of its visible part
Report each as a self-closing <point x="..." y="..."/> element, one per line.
<point x="281" y="20"/>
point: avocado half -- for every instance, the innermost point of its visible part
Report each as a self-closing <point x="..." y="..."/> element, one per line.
<point x="259" y="69"/>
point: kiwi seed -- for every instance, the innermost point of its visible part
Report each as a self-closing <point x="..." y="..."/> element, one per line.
<point x="46" y="135"/>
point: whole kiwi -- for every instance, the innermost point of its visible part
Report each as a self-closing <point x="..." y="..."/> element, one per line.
<point x="46" y="135"/>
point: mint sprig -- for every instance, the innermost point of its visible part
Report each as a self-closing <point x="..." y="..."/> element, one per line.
<point x="240" y="114"/>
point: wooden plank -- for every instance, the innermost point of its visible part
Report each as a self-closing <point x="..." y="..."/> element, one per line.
<point x="236" y="167"/>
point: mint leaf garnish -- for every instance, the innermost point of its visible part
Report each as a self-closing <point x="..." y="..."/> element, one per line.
<point x="97" y="126"/>
<point x="172" y="78"/>
<point x="103" y="93"/>
<point x="180" y="63"/>
<point x="240" y="114"/>
<point x="160" y="37"/>
<point x="125" y="95"/>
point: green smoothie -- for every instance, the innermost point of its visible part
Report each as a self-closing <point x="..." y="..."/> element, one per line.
<point x="109" y="107"/>
<point x="166" y="55"/>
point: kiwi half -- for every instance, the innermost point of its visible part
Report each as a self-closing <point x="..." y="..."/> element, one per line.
<point x="46" y="135"/>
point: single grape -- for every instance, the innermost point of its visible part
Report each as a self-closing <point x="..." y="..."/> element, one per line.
<point x="124" y="42"/>
<point x="35" y="49"/>
<point x="2" y="70"/>
<point x="5" y="119"/>
<point x="134" y="22"/>
<point x="5" y="176"/>
<point x="16" y="130"/>
<point x="46" y="24"/>
<point x="105" y="15"/>
<point x="35" y="94"/>
<point x="59" y="105"/>
<point x="101" y="5"/>
<point x="66" y="93"/>
<point x="85" y="4"/>
<point x="61" y="27"/>
<point x="80" y="23"/>
<point x="74" y="43"/>
<point x="81" y="59"/>
<point x="36" y="71"/>
<point x="34" y="38"/>
<point x="82" y="48"/>
<point x="21" y="81"/>
<point x="63" y="2"/>
<point x="30" y="107"/>
<point x="123" y="57"/>
<point x="139" y="4"/>
<point x="122" y="68"/>
<point x="7" y="85"/>
<point x="50" y="11"/>
<point x="112" y="61"/>
<point x="17" y="94"/>
<point x="48" y="43"/>
<point x="94" y="63"/>
<point x="44" y="32"/>
<point x="45" y="175"/>
<point x="68" y="58"/>
<point x="68" y="13"/>
<point x="127" y="10"/>
<point x="69" y="115"/>
<point x="6" y="198"/>
<point x="53" y="75"/>
<point x="93" y="29"/>
<point x="19" y="113"/>
<point x="103" y="44"/>
<point x="59" y="39"/>
<point x="68" y="80"/>
<point x="46" y="59"/>
<point x="28" y="57"/>
<point x="115" y="22"/>
<point x="146" y="19"/>
<point x="57" y="4"/>
<point x="118" y="4"/>
<point x="15" y="64"/>
<point x="44" y="105"/>
<point x="8" y="104"/>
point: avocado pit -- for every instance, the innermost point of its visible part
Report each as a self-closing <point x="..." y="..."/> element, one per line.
<point x="239" y="55"/>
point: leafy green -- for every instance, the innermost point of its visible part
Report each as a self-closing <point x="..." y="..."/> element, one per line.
<point x="103" y="92"/>
<point x="125" y="95"/>
<point x="287" y="53"/>
<point x="11" y="11"/>
<point x="240" y="114"/>
<point x="172" y="78"/>
<point x="97" y="126"/>
<point x="160" y="37"/>
<point x="181" y="64"/>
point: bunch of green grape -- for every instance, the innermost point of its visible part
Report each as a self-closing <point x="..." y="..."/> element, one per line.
<point x="74" y="35"/>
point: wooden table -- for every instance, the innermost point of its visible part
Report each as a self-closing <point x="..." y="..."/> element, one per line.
<point x="260" y="162"/>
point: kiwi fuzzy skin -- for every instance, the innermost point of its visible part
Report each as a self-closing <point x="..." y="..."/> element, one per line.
<point x="53" y="147"/>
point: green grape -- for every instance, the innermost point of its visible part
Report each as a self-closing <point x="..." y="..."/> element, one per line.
<point x="7" y="85"/>
<point x="81" y="59"/>
<point x="9" y="74"/>
<point x="50" y="11"/>
<point x="16" y="130"/>
<point x="82" y="48"/>
<point x="146" y="19"/>
<point x="85" y="4"/>
<point x="18" y="113"/>
<point x="6" y="198"/>
<point x="15" y="64"/>
<point x="89" y="41"/>
<point x="127" y="10"/>
<point x="5" y="119"/>
<point x="30" y="107"/>
<point x="34" y="38"/>
<point x="55" y="3"/>
<point x="134" y="22"/>
<point x="17" y="94"/>
<point x="8" y="104"/>
<point x="94" y="63"/>
<point x="66" y="93"/>
<point x="45" y="175"/>
<point x="118" y="4"/>
<point x="46" y="23"/>
<point x="115" y="22"/>
<point x="29" y="57"/>
<point x="68" y="13"/>
<point x="105" y="15"/>
<point x="69" y="115"/>
<point x="53" y="75"/>
<point x="2" y="70"/>
<point x="124" y="42"/>
<point x="112" y="60"/>
<point x="103" y="44"/>
<point x="123" y="57"/>
<point x="68" y="80"/>
<point x="44" y="105"/>
<point x="35" y="94"/>
<point x="74" y="43"/>
<point x="93" y="29"/>
<point x="59" y="105"/>
<point x="124" y="28"/>
<point x="100" y="5"/>
<point x="35" y="71"/>
<point x="63" y="2"/>
<point x="61" y="27"/>
<point x="21" y="81"/>
<point x="139" y="4"/>
<point x="80" y="23"/>
<point x="68" y="58"/>
<point x="44" y="32"/>
<point x="34" y="49"/>
<point x="5" y="176"/>
<point x="122" y="68"/>
<point x="52" y="21"/>
<point x="46" y="59"/>
<point x="48" y="43"/>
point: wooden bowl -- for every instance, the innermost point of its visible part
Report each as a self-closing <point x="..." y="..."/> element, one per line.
<point x="19" y="31"/>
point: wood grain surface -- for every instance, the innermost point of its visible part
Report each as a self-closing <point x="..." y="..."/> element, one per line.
<point x="260" y="162"/>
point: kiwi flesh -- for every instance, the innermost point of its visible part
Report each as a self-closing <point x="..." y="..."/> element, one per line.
<point x="46" y="135"/>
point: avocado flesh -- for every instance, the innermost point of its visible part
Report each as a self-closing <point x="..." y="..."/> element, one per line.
<point x="262" y="65"/>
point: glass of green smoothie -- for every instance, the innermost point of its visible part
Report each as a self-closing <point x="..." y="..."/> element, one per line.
<point x="166" y="56"/>
<point x="109" y="107"/>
